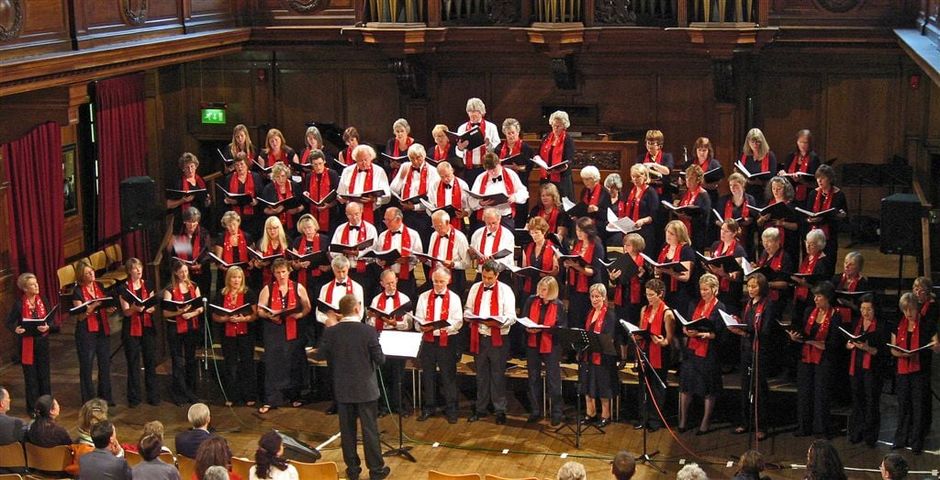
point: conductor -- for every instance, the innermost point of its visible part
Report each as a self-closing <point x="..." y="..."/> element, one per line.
<point x="355" y="346"/>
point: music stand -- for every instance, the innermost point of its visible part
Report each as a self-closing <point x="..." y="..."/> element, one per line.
<point x="583" y="341"/>
<point x="402" y="345"/>
<point x="643" y="362"/>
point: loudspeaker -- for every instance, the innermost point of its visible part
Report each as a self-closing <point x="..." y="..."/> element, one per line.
<point x="900" y="224"/>
<point x="298" y="451"/>
<point x="138" y="203"/>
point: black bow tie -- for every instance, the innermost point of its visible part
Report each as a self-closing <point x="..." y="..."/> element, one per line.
<point x="487" y="289"/>
<point x="340" y="284"/>
<point x="440" y="295"/>
<point x="498" y="178"/>
<point x="363" y="171"/>
<point x="491" y="234"/>
<point x="389" y="297"/>
<point x="397" y="233"/>
<point x="448" y="186"/>
<point x="354" y="227"/>
<point x="445" y="237"/>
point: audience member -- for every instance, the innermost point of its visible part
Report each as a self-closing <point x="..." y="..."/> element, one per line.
<point x="823" y="462"/>
<point x="691" y="472"/>
<point x="43" y="431"/>
<point x="102" y="461"/>
<point x="216" y="473"/>
<point x="572" y="471"/>
<point x="153" y="427"/>
<point x="893" y="467"/>
<point x="623" y="466"/>
<point x="188" y="442"/>
<point x="751" y="465"/>
<point x="213" y="451"/>
<point x="152" y="468"/>
<point x="91" y="413"/>
<point x="270" y="463"/>
<point x="11" y="428"/>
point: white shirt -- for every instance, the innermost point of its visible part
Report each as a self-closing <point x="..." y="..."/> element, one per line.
<point x="289" y="473"/>
<point x="520" y="193"/>
<point x="460" y="257"/>
<point x="398" y="183"/>
<point x="351" y="183"/>
<point x="507" y="305"/>
<point x="490" y="131"/>
<point x="338" y="292"/>
<point x="507" y="241"/>
<point x="454" y="313"/>
<point x="395" y="244"/>
<point x="389" y="305"/>
<point x="449" y="194"/>
<point x="353" y="237"/>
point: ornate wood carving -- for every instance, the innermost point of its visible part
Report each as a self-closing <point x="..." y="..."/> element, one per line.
<point x="409" y="77"/>
<point x="307" y="6"/>
<point x="12" y="13"/>
<point x="614" y="12"/>
<point x="602" y="160"/>
<point x="503" y="12"/>
<point x="135" y="16"/>
<point x="839" y="6"/>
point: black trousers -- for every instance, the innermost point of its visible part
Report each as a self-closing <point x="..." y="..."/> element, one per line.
<point x="89" y="346"/>
<point x="183" y="358"/>
<point x="433" y="358"/>
<point x="865" y="419"/>
<point x="491" y="375"/>
<point x="239" y="372"/>
<point x="812" y="384"/>
<point x="367" y="415"/>
<point x="753" y="395"/>
<point x="534" y="362"/>
<point x="37" y="376"/>
<point x="913" y="392"/>
<point x="136" y="348"/>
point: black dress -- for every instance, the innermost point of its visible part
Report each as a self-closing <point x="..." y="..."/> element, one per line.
<point x="597" y="370"/>
<point x="757" y="166"/>
<point x="561" y="180"/>
<point x="756" y="350"/>
<point x="727" y="209"/>
<point x="522" y="159"/>
<point x="700" y="373"/>
<point x="817" y="201"/>
<point x="795" y="163"/>
<point x="648" y="206"/>
<point x="318" y="186"/>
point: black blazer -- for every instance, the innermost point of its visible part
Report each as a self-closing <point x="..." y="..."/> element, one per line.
<point x="354" y="348"/>
<point x="188" y="442"/>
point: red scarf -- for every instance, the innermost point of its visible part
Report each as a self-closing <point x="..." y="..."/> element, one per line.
<point x="396" y="152"/>
<point x="436" y="250"/>
<point x="267" y="274"/>
<point x="764" y="162"/>
<point x="677" y="256"/>
<point x="332" y="285"/>
<point x="274" y="156"/>
<point x="305" y="155"/>
<point x="304" y="247"/>
<point x="440" y="154"/>
<point x="866" y="358"/>
<point x="283" y="194"/>
<point x="821" y="204"/>
<point x="812" y="354"/>
<point x="776" y="264"/>
<point x="248" y="188"/>
<point x="654" y="322"/>
<point x="227" y="248"/>
<point x="699" y="346"/>
<point x="576" y="278"/>
<point x="28" y="356"/>
<point x="910" y="341"/>
<point x="634" y="200"/>
<point x="807" y="267"/>
<point x="405" y="249"/>
<point x="361" y="237"/>
<point x="495" y="334"/>
<point x="592" y="196"/>
<point x="429" y="316"/>
<point x="720" y="251"/>
<point x="182" y="326"/>
<point x="368" y="208"/>
<point x="456" y="200"/>
<point x="195" y="242"/>
<point x="635" y="289"/>
<point x="507" y="183"/>
<point x="481" y="150"/>
<point x="799" y="163"/>
<point x="278" y="302"/>
<point x="507" y="151"/>
<point x="348" y="158"/>
<point x="486" y="234"/>
<point x="422" y="181"/>
<point x="553" y="151"/>
<point x="689" y="198"/>
<point x="141" y="319"/>
<point x="544" y="260"/>
<point x="185" y="186"/>
<point x="542" y="340"/>
<point x="234" y="329"/>
<point x="729" y="208"/>
<point x="99" y="317"/>
<point x="595" y="323"/>
<point x="318" y="192"/>
<point x="383" y="300"/>
<point x="551" y="218"/>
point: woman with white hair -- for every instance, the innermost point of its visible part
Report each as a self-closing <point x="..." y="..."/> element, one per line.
<point x="595" y="197"/>
<point x="282" y="189"/>
<point x="396" y="150"/>
<point x="515" y="155"/>
<point x="812" y="269"/>
<point x="557" y="147"/>
<point x="473" y="158"/>
<point x="572" y="471"/>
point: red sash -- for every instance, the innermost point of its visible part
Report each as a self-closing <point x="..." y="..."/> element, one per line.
<point x="383" y="300"/>
<point x="182" y="326"/>
<point x="592" y="196"/>
<point x="429" y="316"/>
<point x="720" y="251"/>
<point x="234" y="329"/>
<point x="820" y="204"/>
<point x="764" y="162"/>
<point x="578" y="279"/>
<point x="227" y="248"/>
<point x="195" y="243"/>
<point x="140" y="320"/>
<point x="729" y="208"/>
<point x="318" y="192"/>
<point x="553" y="151"/>
<point x="812" y="354"/>
<point x="799" y="163"/>
<point x="440" y="154"/>
<point x="546" y="256"/>
<point x="595" y="323"/>
<point x="94" y="320"/>
<point x="910" y="341"/>
<point x="808" y="266"/>
<point x="507" y="151"/>
<point x="481" y="150"/>
<point x="507" y="183"/>
<point x="699" y="346"/>
<point x="278" y="303"/>
<point x="635" y="290"/>
<point x="304" y="247"/>
<point x="866" y="358"/>
<point x="267" y="274"/>
<point x="367" y="209"/>
<point x="677" y="256"/>
<point x="360" y="265"/>
<point x="332" y="285"/>
<point x="274" y="156"/>
<point x="28" y="356"/>
<point x="776" y="264"/>
<point x="551" y="218"/>
<point x="658" y="159"/>
<point x="185" y="186"/>
<point x="422" y="181"/>
<point x="495" y="334"/>
<point x="634" y="200"/>
<point x="848" y="285"/>
<point x="449" y="255"/>
<point x="543" y="340"/>
<point x="689" y="199"/>
<point x="248" y="188"/>
<point x="456" y="200"/>
<point x="655" y="326"/>
<point x="405" y="250"/>
<point x="286" y="218"/>
<point x="348" y="158"/>
<point x="495" y="246"/>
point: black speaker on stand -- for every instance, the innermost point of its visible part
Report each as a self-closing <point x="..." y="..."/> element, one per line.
<point x="138" y="203"/>
<point x="900" y="234"/>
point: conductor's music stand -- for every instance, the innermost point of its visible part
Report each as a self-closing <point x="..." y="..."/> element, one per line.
<point x="402" y="345"/>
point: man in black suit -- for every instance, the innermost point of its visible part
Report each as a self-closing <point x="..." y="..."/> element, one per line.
<point x="188" y="442"/>
<point x="101" y="463"/>
<point x="355" y="346"/>
<point x="11" y="428"/>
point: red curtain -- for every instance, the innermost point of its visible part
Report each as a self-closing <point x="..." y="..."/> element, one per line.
<point x="122" y="153"/>
<point x="37" y="205"/>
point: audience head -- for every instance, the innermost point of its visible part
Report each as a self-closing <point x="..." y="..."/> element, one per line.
<point x="198" y="415"/>
<point x="893" y="467"/>
<point x="823" y="462"/>
<point x="623" y="465"/>
<point x="269" y="454"/>
<point x="691" y="472"/>
<point x="154" y="427"/>
<point x="150" y="446"/>
<point x="572" y="471"/>
<point x="91" y="413"/>
<point x="45" y="408"/>
<point x="212" y="451"/>
<point x="217" y="472"/>
<point x="101" y="434"/>
<point x="4" y="400"/>
<point x="752" y="463"/>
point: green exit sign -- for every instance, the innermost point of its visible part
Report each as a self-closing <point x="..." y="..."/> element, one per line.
<point x="213" y="116"/>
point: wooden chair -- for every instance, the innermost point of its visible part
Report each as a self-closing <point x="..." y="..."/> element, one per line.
<point x="99" y="261"/>
<point x="316" y="471"/>
<point x="53" y="459"/>
<point x="133" y="458"/>
<point x="168" y="458"/>
<point x="186" y="465"/>
<point x="13" y="457"/>
<point x="10" y="476"/>
<point x="114" y="263"/>
<point x="435" y="475"/>
<point x="489" y="476"/>
<point x="66" y="276"/>
<point x="241" y="466"/>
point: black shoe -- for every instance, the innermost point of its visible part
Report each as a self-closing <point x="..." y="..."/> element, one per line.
<point x="331" y="410"/>
<point x="556" y="421"/>
<point x="602" y="423"/>
<point x="383" y="473"/>
<point x="683" y="429"/>
<point x="898" y="446"/>
<point x="701" y="432"/>
<point x="425" y="414"/>
<point x="638" y="426"/>
<point x="533" y="418"/>
<point x="452" y="418"/>
<point x="586" y="420"/>
<point x="652" y="427"/>
<point x="500" y="418"/>
<point x="475" y="416"/>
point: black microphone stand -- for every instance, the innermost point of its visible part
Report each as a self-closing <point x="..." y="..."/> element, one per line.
<point x="579" y="341"/>
<point x="402" y="450"/>
<point x="753" y="370"/>
<point x="645" y="368"/>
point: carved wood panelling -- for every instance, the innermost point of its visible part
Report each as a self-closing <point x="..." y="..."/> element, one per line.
<point x="100" y="23"/>
<point x="32" y="28"/>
